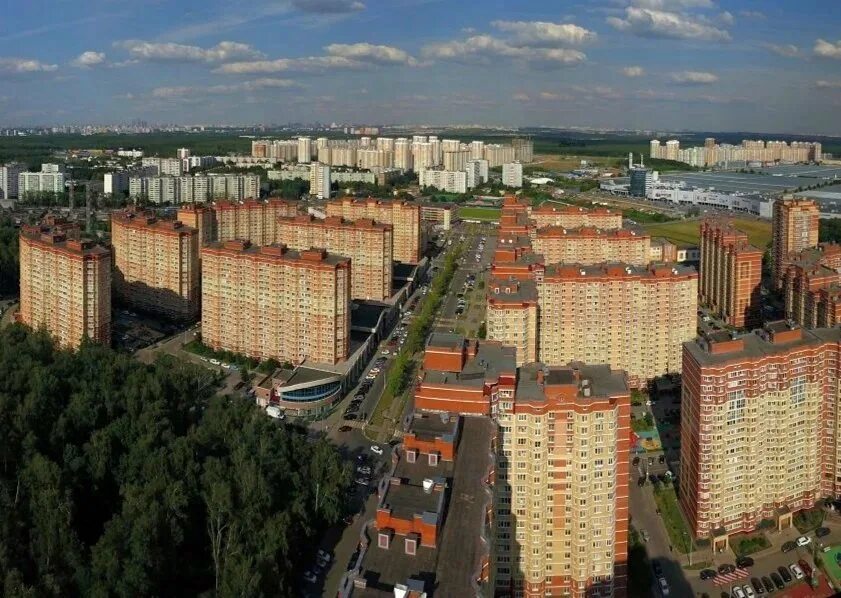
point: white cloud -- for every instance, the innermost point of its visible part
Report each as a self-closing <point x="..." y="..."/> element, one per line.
<point x="521" y="97"/>
<point x="694" y="78"/>
<point x="554" y="96"/>
<point x="17" y="66"/>
<point x="673" y="4"/>
<point x="171" y="52"/>
<point x="823" y="84"/>
<point x="786" y="50"/>
<point x="538" y="33"/>
<point x="648" y="22"/>
<point x="328" y="6"/>
<point x="88" y="59"/>
<point x="364" y="52"/>
<point x="827" y="49"/>
<point x="633" y="71"/>
<point x="245" y="86"/>
<point x="727" y="18"/>
<point x="486" y="47"/>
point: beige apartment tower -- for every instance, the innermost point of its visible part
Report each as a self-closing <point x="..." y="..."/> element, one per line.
<point x="561" y="492"/>
<point x="252" y="220"/>
<point x="589" y="245"/>
<point x="511" y="317"/>
<point x="65" y="284"/>
<point x="404" y="218"/>
<point x="632" y="318"/>
<point x="368" y="245"/>
<point x="156" y="264"/>
<point x="795" y="228"/>
<point x="274" y="302"/>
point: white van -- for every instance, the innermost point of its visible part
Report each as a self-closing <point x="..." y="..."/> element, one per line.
<point x="275" y="412"/>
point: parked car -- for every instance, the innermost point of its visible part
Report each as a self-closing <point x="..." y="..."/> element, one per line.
<point x="744" y="562"/>
<point x="362" y="481"/>
<point x="661" y="459"/>
<point x="796" y="571"/>
<point x="323" y="555"/>
<point x="275" y="412"/>
<point x="757" y="585"/>
<point x="778" y="581"/>
<point x="364" y="469"/>
<point x="784" y="573"/>
<point x="376" y="449"/>
<point x="708" y="574"/>
<point x="664" y="586"/>
<point x="804" y="541"/>
<point x="738" y="592"/>
<point x="349" y="417"/>
<point x="310" y="577"/>
<point x="726" y="568"/>
<point x="748" y="591"/>
<point x="807" y="568"/>
<point x="657" y="568"/>
<point x="789" y="546"/>
<point x="345" y="428"/>
<point x="215" y="362"/>
<point x="769" y="585"/>
<point x="636" y="461"/>
<point x="821" y="532"/>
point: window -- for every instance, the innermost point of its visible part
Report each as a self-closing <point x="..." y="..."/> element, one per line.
<point x="797" y="390"/>
<point x="411" y="546"/>
<point x="383" y="539"/>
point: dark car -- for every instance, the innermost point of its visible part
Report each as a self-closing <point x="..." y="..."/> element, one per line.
<point x="778" y="581"/>
<point x="653" y="478"/>
<point x="641" y="481"/>
<point x="807" y="568"/>
<point x="769" y="586"/>
<point x="708" y="574"/>
<point x="661" y="459"/>
<point x="657" y="568"/>
<point x="744" y="562"/>
<point x="821" y="532"/>
<point x="784" y="573"/>
<point x="651" y="460"/>
<point x="757" y="585"/>
<point x="726" y="568"/>
<point x="350" y="417"/>
<point x="345" y="428"/>
<point x="636" y="461"/>
<point x="789" y="546"/>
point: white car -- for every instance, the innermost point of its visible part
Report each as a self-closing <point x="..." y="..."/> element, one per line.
<point x="376" y="449"/>
<point x="749" y="591"/>
<point x="664" y="586"/>
<point x="804" y="541"/>
<point x="227" y="366"/>
<point x="738" y="592"/>
<point x="797" y="571"/>
<point x="310" y="577"/>
<point x="215" y="362"/>
<point x="385" y="352"/>
<point x="275" y="412"/>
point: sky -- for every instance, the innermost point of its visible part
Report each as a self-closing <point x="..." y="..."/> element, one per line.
<point x="703" y="65"/>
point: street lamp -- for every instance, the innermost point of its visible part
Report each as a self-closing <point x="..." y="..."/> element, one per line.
<point x="688" y="546"/>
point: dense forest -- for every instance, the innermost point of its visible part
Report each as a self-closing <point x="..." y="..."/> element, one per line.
<point x="9" y="270"/>
<point x="830" y="230"/>
<point x="122" y="479"/>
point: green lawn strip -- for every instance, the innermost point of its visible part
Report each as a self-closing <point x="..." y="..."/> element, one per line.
<point x="687" y="233"/>
<point x="486" y="214"/>
<point x="745" y="544"/>
<point x="670" y="512"/>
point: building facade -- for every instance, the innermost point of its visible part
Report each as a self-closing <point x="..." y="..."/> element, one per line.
<point x="253" y="221"/>
<point x="575" y="217"/>
<point x="632" y="318"/>
<point x="511" y="316"/>
<point x="512" y="175"/>
<point x="759" y="427"/>
<point x="273" y="302"/>
<point x="404" y="218"/>
<point x="451" y="181"/>
<point x="589" y="245"/>
<point x="368" y="245"/>
<point x="731" y="274"/>
<point x="156" y="264"/>
<point x="9" y="179"/>
<point x="65" y="284"/>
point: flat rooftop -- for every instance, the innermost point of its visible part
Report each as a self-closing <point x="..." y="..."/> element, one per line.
<point x="432" y="425"/>
<point x="603" y="381"/>
<point x="366" y="314"/>
<point x="408" y="498"/>
<point x="491" y="360"/>
<point x="738" y="182"/>
<point x="382" y="569"/>
<point x="756" y="344"/>
<point x="445" y="340"/>
<point x="524" y="290"/>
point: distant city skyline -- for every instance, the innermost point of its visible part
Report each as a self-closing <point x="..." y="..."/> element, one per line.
<point x="616" y="64"/>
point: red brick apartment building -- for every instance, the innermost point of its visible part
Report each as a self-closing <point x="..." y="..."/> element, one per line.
<point x="794" y="226"/>
<point x="759" y="427"/>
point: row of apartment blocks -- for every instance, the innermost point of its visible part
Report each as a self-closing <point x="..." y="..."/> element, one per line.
<point x="560" y="294"/>
<point x="711" y="153"/>
<point x="560" y="511"/>
<point x="169" y="189"/>
<point x="16" y="182"/>
<point x="418" y="153"/>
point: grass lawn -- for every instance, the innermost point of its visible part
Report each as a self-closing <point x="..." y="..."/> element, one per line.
<point x="745" y="544"/>
<point x="687" y="233"/>
<point x="486" y="214"/>
<point x="672" y="516"/>
<point x="831" y="566"/>
<point x="808" y="519"/>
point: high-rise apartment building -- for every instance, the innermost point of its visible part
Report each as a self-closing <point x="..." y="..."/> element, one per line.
<point x="811" y="286"/>
<point x="201" y="218"/>
<point x="274" y="302"/>
<point x="456" y="159"/>
<point x="444" y="180"/>
<point x="368" y="245"/>
<point x="759" y="427"/>
<point x="512" y="175"/>
<point x="319" y="180"/>
<point x="731" y="273"/>
<point x="194" y="189"/>
<point x="589" y="245"/>
<point x="165" y="166"/>
<point x="405" y="219"/>
<point x="632" y="318"/>
<point x="253" y="221"/>
<point x="575" y="217"/>
<point x="65" y="284"/>
<point x="794" y="228"/>
<point x="9" y="178"/>
<point x="304" y="150"/>
<point x="49" y="180"/>
<point x="561" y="478"/>
<point x="403" y="154"/>
<point x="511" y="316"/>
<point x="156" y="264"/>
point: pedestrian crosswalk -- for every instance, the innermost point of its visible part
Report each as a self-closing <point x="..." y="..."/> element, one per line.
<point x="725" y="579"/>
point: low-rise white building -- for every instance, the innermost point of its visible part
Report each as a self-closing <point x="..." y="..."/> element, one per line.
<point x="451" y="181"/>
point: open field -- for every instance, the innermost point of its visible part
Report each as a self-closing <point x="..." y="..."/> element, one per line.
<point x="686" y="233"/>
<point x="486" y="214"/>
<point x="569" y="161"/>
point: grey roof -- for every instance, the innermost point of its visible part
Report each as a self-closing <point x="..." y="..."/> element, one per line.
<point x="603" y="381"/>
<point x="445" y="340"/>
<point x="434" y="425"/>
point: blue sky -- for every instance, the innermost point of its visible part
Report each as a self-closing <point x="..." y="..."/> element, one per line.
<point x="750" y="65"/>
